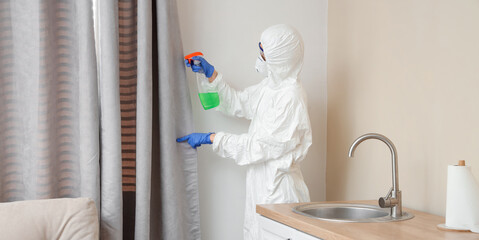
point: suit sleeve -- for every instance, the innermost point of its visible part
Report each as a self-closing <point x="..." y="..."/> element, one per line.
<point x="233" y="102"/>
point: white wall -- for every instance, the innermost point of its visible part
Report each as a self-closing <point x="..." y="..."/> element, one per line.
<point x="409" y="70"/>
<point x="228" y="32"/>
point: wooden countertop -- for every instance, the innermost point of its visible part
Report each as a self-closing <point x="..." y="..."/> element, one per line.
<point x="422" y="226"/>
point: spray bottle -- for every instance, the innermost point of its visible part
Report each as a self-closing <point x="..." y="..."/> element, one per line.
<point x="208" y="95"/>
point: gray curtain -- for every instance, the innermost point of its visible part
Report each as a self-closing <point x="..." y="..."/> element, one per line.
<point x="60" y="118"/>
<point x="49" y="144"/>
<point x="175" y="166"/>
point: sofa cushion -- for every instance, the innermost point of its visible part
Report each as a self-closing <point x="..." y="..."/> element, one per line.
<point x="64" y="218"/>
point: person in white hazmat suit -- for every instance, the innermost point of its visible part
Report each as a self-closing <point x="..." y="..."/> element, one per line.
<point x="280" y="132"/>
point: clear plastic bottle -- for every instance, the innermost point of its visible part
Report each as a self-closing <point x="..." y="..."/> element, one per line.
<point x="208" y="95"/>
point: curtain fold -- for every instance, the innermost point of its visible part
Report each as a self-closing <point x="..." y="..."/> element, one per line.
<point x="88" y="101"/>
<point x="111" y="210"/>
<point x="144" y="120"/>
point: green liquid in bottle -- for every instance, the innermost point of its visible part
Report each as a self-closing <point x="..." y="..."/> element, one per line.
<point x="209" y="100"/>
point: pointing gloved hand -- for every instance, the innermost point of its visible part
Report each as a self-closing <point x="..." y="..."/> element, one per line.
<point x="204" y="67"/>
<point x="196" y="139"/>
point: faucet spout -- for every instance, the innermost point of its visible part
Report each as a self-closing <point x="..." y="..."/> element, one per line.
<point x="393" y="198"/>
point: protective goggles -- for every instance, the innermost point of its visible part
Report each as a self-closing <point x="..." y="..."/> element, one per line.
<point x="261" y="52"/>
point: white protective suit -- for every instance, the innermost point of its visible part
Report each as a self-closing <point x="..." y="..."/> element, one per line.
<point x="280" y="133"/>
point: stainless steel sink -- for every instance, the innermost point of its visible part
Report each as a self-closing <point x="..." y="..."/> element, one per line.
<point x="340" y="212"/>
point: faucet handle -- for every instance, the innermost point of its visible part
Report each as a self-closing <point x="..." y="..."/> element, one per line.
<point x="388" y="201"/>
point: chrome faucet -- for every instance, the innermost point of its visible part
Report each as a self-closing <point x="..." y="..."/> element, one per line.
<point x="393" y="197"/>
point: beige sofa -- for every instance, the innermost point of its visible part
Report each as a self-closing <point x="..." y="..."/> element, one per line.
<point x="65" y="218"/>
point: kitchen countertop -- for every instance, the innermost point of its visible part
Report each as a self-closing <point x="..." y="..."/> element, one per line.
<point x="422" y="226"/>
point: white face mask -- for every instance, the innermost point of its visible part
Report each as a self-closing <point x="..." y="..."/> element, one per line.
<point x="261" y="66"/>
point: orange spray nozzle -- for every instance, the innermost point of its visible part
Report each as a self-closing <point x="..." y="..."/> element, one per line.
<point x="189" y="56"/>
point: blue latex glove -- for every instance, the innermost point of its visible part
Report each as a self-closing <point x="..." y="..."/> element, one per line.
<point x="204" y="67"/>
<point x="196" y="139"/>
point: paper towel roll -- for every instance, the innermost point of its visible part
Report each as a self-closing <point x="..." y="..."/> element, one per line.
<point x="462" y="204"/>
